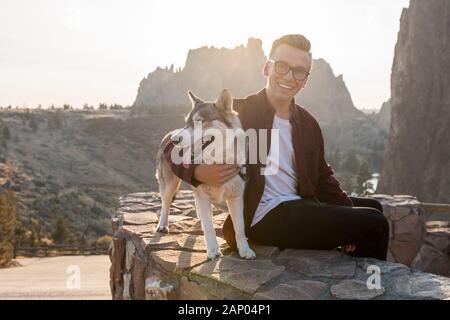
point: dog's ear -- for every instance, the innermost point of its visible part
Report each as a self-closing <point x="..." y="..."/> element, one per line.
<point x="225" y="101"/>
<point x="194" y="98"/>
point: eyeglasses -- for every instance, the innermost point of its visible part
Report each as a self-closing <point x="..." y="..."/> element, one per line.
<point x="283" y="68"/>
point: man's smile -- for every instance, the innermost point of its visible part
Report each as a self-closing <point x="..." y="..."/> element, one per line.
<point x="285" y="87"/>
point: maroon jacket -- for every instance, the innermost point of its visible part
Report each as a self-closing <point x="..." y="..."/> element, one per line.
<point x="315" y="177"/>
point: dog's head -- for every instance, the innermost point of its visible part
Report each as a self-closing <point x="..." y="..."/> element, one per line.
<point x="209" y="116"/>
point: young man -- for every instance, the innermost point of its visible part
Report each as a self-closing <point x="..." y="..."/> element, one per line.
<point x="301" y="206"/>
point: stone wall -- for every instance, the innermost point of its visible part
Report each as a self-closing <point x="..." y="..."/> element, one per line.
<point x="406" y="218"/>
<point x="413" y="241"/>
<point x="149" y="265"/>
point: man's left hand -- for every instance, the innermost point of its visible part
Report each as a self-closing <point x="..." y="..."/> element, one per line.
<point x="350" y="248"/>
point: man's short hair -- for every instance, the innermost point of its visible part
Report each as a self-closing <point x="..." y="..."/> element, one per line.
<point x="295" y="40"/>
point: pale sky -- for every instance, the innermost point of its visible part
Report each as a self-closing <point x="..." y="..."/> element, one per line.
<point x="56" y="52"/>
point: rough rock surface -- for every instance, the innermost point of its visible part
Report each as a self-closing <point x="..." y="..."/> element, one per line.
<point x="407" y="226"/>
<point x="416" y="159"/>
<point x="434" y="254"/>
<point x="147" y="265"/>
<point x="383" y="117"/>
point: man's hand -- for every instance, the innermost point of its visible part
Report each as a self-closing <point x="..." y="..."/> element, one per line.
<point x="215" y="174"/>
<point x="350" y="248"/>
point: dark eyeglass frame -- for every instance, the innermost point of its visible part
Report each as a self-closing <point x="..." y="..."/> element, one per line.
<point x="290" y="69"/>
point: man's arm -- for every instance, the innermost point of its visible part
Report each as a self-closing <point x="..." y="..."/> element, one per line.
<point x="183" y="171"/>
<point x="328" y="188"/>
<point x="196" y="174"/>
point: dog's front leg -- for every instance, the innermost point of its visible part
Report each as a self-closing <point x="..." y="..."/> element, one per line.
<point x="236" y="208"/>
<point x="203" y="205"/>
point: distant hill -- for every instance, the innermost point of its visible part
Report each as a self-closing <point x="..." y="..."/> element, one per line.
<point x="76" y="163"/>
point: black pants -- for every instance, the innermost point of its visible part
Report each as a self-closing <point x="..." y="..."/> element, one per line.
<point x="309" y="224"/>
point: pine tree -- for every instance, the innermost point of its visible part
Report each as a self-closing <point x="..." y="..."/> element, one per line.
<point x="61" y="233"/>
<point x="82" y="241"/>
<point x="351" y="163"/>
<point x="36" y="230"/>
<point x="8" y="224"/>
<point x="363" y="175"/>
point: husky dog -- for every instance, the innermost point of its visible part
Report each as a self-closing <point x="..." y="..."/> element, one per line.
<point x="219" y="116"/>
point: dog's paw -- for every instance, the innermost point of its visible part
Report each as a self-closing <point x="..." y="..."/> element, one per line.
<point x="213" y="253"/>
<point x="162" y="229"/>
<point x="246" y="252"/>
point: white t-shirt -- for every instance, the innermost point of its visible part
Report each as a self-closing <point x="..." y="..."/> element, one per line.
<point x="282" y="186"/>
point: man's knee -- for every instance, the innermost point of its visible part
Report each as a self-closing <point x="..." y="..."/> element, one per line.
<point x="380" y="221"/>
<point x="367" y="202"/>
<point x="372" y="218"/>
<point x="377" y="205"/>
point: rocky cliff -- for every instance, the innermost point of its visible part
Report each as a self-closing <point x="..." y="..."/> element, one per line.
<point x="417" y="157"/>
<point x="383" y="117"/>
<point x="327" y="97"/>
<point x="208" y="70"/>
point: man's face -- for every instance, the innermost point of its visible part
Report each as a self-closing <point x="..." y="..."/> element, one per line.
<point x="285" y="87"/>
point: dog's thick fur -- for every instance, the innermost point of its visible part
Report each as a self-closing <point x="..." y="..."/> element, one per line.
<point x="218" y="115"/>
